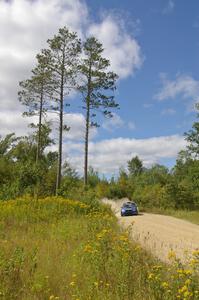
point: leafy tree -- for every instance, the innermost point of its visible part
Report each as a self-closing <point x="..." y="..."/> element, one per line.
<point x="192" y="137"/>
<point x="69" y="171"/>
<point x="62" y="61"/>
<point x="93" y="177"/>
<point x="125" y="185"/>
<point x="157" y="174"/>
<point x="6" y="163"/>
<point x="7" y="143"/>
<point x="70" y="181"/>
<point x="135" y="166"/>
<point x="19" y="173"/>
<point x="97" y="83"/>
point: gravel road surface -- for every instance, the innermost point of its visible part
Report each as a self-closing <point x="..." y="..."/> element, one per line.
<point x="160" y="234"/>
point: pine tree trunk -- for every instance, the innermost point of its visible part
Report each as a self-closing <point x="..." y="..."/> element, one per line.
<point x="40" y="127"/>
<point x="86" y="144"/>
<point x="87" y="128"/>
<point x="59" y="165"/>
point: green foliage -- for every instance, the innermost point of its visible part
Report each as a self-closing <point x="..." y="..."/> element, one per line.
<point x="93" y="177"/>
<point x="192" y="137"/>
<point x="19" y="172"/>
<point x="135" y="166"/>
<point x="6" y="144"/>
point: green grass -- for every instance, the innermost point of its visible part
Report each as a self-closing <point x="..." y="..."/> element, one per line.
<point x="62" y="249"/>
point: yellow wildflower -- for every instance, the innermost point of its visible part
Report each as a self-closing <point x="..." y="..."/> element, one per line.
<point x="165" y="285"/>
<point x="187" y="294"/>
<point x="150" y="276"/>
<point x="188" y="272"/>
<point x="88" y="249"/>
<point x="183" y="289"/>
<point x="138" y="248"/>
<point x="188" y="281"/>
<point x="123" y="238"/>
<point x="171" y="255"/>
<point x="193" y="262"/>
<point x="195" y="252"/>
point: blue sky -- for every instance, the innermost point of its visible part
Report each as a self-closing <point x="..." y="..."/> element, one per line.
<point x="169" y="39"/>
<point x="153" y="46"/>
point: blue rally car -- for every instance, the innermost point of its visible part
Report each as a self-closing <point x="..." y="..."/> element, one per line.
<point x="129" y="209"/>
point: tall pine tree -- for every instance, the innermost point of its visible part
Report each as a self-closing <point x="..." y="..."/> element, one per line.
<point x="35" y="94"/>
<point x="62" y="59"/>
<point x="97" y="86"/>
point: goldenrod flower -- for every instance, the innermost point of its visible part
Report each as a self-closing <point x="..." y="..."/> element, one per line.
<point x="195" y="252"/>
<point x="188" y="281"/>
<point x="165" y="285"/>
<point x="171" y="255"/>
<point x="183" y="289"/>
<point x="150" y="276"/>
<point x="88" y="249"/>
<point x="188" y="272"/>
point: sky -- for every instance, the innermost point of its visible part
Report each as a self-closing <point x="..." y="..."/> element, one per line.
<point x="152" y="45"/>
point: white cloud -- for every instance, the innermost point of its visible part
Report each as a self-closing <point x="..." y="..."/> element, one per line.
<point x="76" y="122"/>
<point x="169" y="8"/>
<point x="12" y="121"/>
<point x="117" y="122"/>
<point x="183" y="85"/>
<point x="113" y="123"/>
<point x="24" y="28"/>
<point x="122" y="49"/>
<point x="108" y="156"/>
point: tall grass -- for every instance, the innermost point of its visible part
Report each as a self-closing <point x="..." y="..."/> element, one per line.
<point x="64" y="249"/>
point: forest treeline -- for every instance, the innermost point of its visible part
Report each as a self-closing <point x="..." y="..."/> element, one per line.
<point x="156" y="186"/>
<point x="26" y="167"/>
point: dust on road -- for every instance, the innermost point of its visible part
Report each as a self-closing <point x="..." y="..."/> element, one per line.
<point x="158" y="233"/>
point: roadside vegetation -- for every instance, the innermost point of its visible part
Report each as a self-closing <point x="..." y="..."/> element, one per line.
<point x="55" y="248"/>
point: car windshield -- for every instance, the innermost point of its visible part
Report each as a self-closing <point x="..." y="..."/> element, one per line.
<point x="129" y="205"/>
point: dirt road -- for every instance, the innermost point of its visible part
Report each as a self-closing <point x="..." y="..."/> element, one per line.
<point x="160" y="234"/>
